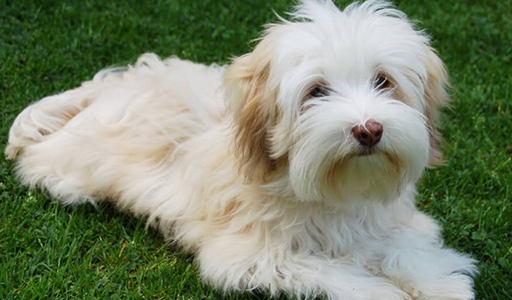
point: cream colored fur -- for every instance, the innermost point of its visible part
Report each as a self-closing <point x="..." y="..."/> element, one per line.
<point x="263" y="183"/>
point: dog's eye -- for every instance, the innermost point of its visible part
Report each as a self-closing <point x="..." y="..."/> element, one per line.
<point x="381" y="82"/>
<point x="318" y="92"/>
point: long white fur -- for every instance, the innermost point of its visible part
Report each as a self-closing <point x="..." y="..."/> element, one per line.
<point x="157" y="139"/>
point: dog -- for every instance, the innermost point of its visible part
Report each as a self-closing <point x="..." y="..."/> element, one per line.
<point x="292" y="170"/>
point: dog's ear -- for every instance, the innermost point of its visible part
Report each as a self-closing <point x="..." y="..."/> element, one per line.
<point x="436" y="96"/>
<point x="252" y="102"/>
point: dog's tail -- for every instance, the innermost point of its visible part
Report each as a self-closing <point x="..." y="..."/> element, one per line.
<point x="43" y="118"/>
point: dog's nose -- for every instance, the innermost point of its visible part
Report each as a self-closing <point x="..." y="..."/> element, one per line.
<point x="368" y="134"/>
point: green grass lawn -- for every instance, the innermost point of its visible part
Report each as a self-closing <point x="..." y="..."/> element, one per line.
<point x="49" y="251"/>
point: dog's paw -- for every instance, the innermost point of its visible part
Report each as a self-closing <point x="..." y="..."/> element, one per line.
<point x="377" y="291"/>
<point x="455" y="286"/>
<point x="386" y="293"/>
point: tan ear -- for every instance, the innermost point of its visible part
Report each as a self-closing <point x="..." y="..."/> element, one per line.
<point x="436" y="96"/>
<point x="253" y="105"/>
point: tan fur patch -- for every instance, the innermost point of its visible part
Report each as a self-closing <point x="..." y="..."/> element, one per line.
<point x="394" y="161"/>
<point x="436" y="96"/>
<point x="254" y="108"/>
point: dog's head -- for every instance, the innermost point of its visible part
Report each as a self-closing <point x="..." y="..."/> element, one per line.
<point x="338" y="103"/>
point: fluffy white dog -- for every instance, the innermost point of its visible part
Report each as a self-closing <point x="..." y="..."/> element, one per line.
<point x="291" y="170"/>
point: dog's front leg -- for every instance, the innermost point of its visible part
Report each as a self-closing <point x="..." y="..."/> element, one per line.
<point x="241" y="263"/>
<point x="415" y="259"/>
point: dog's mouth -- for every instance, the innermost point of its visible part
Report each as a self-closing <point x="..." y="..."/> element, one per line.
<point x="366" y="151"/>
<point x="390" y="157"/>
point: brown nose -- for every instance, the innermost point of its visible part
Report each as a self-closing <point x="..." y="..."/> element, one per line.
<point x="368" y="134"/>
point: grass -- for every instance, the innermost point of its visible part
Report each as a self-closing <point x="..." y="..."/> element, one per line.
<point x="47" y="46"/>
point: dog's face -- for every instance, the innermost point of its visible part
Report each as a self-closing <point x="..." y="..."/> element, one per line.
<point x="339" y="104"/>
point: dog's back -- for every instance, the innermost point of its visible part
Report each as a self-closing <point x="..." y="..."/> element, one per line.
<point x="82" y="144"/>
